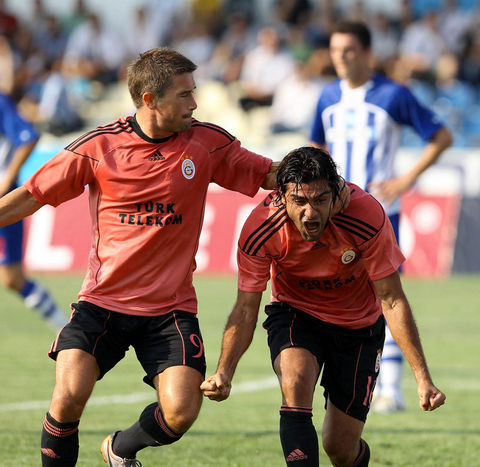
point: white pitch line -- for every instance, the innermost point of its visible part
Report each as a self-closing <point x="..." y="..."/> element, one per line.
<point x="240" y="388"/>
<point x="247" y="386"/>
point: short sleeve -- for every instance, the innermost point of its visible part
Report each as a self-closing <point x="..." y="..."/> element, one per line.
<point x="62" y="178"/>
<point x="409" y="111"/>
<point x="253" y="272"/>
<point x="239" y="170"/>
<point x="381" y="255"/>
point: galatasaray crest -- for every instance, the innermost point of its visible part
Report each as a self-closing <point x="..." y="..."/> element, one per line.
<point x="348" y="255"/>
<point x="188" y="167"/>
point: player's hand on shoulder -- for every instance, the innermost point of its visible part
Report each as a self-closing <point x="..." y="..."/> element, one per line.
<point x="216" y="387"/>
<point x="342" y="201"/>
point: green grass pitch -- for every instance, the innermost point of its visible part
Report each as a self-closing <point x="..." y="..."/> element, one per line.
<point x="243" y="431"/>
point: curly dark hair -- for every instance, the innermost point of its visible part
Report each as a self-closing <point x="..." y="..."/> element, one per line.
<point x="306" y="165"/>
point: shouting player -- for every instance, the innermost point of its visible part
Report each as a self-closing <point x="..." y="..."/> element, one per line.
<point x="334" y="278"/>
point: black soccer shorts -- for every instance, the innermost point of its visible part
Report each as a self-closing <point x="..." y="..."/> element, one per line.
<point x="159" y="341"/>
<point x="350" y="358"/>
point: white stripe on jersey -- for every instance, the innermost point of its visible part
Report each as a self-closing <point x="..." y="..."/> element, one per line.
<point x="362" y="138"/>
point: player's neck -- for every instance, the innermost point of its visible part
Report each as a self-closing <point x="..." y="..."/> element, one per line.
<point x="358" y="80"/>
<point x="149" y="126"/>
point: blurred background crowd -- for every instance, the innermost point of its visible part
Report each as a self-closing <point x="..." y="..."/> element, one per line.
<point x="258" y="61"/>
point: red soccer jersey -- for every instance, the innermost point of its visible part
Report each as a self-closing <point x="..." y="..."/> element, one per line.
<point x="330" y="279"/>
<point x="147" y="201"/>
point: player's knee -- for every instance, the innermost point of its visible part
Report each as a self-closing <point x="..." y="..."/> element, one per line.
<point x="180" y="419"/>
<point x="339" y="452"/>
<point x="295" y="387"/>
<point x="67" y="406"/>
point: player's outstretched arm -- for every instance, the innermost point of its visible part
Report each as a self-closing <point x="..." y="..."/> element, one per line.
<point x="16" y="205"/>
<point x="237" y="337"/>
<point x="401" y="323"/>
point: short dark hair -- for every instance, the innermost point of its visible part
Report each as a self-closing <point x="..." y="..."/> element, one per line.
<point x="307" y="165"/>
<point x="153" y="71"/>
<point x="356" y="28"/>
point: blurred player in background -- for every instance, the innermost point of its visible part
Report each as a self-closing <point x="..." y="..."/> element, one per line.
<point x="359" y="119"/>
<point x="332" y="277"/>
<point x="17" y="140"/>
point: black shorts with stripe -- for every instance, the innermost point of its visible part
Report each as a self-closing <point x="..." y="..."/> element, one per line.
<point x="159" y="341"/>
<point x="350" y="358"/>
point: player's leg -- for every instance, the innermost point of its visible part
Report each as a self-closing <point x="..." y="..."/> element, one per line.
<point x="352" y="363"/>
<point x="341" y="438"/>
<point x="34" y="294"/>
<point x="75" y="376"/>
<point x="388" y="395"/>
<point x="297" y="370"/>
<point x="90" y="345"/>
<point x="171" y="352"/>
<point x="296" y="353"/>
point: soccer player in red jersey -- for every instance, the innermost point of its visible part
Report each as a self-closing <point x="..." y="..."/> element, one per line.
<point x="334" y="277"/>
<point x="147" y="178"/>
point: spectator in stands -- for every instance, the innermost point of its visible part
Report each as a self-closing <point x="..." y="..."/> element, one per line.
<point x="470" y="60"/>
<point x="237" y="38"/>
<point x="454" y="24"/>
<point x="264" y="68"/>
<point x="141" y="35"/>
<point x="51" y="39"/>
<point x="168" y="16"/>
<point x="7" y="66"/>
<point x="293" y="12"/>
<point x="197" y="43"/>
<point x="295" y="98"/>
<point x="8" y="22"/>
<point x="384" y="40"/>
<point x="51" y="106"/>
<point x="78" y="16"/>
<point x="94" y="52"/>
<point x="421" y="45"/>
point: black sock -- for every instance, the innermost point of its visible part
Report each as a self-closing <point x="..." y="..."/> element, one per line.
<point x="59" y="444"/>
<point x="150" y="430"/>
<point x="298" y="436"/>
<point x="363" y="456"/>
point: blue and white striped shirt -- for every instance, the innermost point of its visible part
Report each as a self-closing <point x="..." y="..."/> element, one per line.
<point x="362" y="128"/>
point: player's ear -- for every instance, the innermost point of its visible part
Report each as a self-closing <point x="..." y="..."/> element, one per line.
<point x="148" y="100"/>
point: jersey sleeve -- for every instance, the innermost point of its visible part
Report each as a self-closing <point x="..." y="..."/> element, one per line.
<point x="409" y="111"/>
<point x="62" y="178"/>
<point x="238" y="169"/>
<point x="381" y="255"/>
<point x="252" y="258"/>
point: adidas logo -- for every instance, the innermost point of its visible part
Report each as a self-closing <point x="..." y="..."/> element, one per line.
<point x="156" y="156"/>
<point x="296" y="455"/>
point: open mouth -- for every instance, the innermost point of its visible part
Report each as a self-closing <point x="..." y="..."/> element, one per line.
<point x="312" y="227"/>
